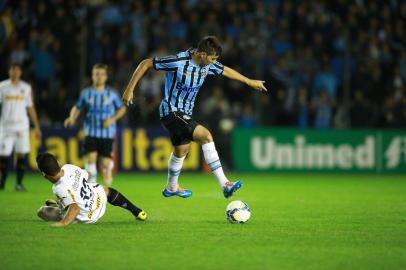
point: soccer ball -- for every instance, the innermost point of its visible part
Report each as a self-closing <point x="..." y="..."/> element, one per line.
<point x="238" y="212"/>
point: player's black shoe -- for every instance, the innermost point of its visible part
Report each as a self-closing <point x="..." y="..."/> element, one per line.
<point x="2" y="185"/>
<point x="20" y="188"/>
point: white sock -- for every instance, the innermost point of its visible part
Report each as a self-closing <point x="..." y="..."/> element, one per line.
<point x="174" y="167"/>
<point x="212" y="158"/>
<point x="92" y="169"/>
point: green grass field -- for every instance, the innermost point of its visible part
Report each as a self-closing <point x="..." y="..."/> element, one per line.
<point x="298" y="222"/>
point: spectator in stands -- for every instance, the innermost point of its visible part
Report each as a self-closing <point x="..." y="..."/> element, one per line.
<point x="323" y="107"/>
<point x="337" y="46"/>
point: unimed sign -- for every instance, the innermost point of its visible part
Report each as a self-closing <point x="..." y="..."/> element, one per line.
<point x="312" y="150"/>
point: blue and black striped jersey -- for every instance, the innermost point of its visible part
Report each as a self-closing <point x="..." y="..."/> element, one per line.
<point x="183" y="80"/>
<point x="99" y="106"/>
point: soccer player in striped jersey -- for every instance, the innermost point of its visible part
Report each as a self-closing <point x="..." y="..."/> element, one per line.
<point x="185" y="75"/>
<point x="103" y="107"/>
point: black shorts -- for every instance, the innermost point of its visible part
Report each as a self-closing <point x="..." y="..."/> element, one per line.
<point x="103" y="146"/>
<point x="180" y="127"/>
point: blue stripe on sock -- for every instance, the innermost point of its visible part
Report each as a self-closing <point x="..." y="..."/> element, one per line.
<point x="215" y="168"/>
<point x="215" y="165"/>
<point x="214" y="162"/>
<point x="173" y="173"/>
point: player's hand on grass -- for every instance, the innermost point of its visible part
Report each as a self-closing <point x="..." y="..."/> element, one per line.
<point x="58" y="224"/>
<point x="108" y="122"/>
<point x="257" y="84"/>
<point x="128" y="98"/>
<point x="69" y="122"/>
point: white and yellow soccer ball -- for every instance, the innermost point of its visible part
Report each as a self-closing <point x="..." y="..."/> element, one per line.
<point x="238" y="212"/>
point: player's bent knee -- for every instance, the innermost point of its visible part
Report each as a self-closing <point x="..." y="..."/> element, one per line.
<point x="202" y="135"/>
<point x="181" y="152"/>
<point x="206" y="138"/>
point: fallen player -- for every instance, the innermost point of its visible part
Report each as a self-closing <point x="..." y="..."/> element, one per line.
<point x="77" y="200"/>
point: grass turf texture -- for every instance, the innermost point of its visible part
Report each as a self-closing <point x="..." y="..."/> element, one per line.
<point x="298" y="222"/>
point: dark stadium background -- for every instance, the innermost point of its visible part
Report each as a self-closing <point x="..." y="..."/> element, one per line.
<point x="322" y="154"/>
<point x="327" y="64"/>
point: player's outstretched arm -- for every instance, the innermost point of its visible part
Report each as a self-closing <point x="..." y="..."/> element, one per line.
<point x="71" y="214"/>
<point x="235" y="75"/>
<point x="139" y="72"/>
<point x="74" y="114"/>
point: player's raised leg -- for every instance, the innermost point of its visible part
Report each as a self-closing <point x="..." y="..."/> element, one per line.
<point x="91" y="165"/>
<point x="203" y="136"/>
<point x="117" y="199"/>
<point x="174" y="168"/>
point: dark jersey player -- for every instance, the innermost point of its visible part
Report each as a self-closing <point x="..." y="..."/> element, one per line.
<point x="185" y="75"/>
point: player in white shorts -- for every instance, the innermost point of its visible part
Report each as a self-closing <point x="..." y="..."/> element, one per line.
<point x="78" y="200"/>
<point x="16" y="101"/>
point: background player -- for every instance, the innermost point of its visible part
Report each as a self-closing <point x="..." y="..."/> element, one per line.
<point x="16" y="100"/>
<point x="103" y="108"/>
<point x="185" y="74"/>
<point x="84" y="202"/>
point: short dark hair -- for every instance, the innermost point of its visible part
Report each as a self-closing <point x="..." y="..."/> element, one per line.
<point x="210" y="45"/>
<point x="48" y="164"/>
<point x="101" y="66"/>
<point x="15" y="64"/>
